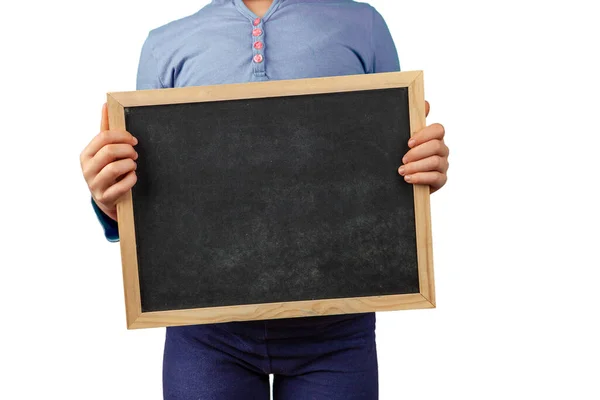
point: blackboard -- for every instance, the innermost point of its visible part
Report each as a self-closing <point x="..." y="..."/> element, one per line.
<point x="265" y="200"/>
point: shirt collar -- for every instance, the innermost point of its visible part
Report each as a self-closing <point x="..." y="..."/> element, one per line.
<point x="239" y="4"/>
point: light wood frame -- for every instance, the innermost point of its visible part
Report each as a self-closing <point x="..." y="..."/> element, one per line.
<point x="413" y="80"/>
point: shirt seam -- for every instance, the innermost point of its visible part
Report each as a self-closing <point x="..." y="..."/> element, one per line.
<point x="162" y="85"/>
<point x="372" y="61"/>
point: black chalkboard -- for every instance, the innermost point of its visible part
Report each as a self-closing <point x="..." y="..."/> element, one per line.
<point x="273" y="199"/>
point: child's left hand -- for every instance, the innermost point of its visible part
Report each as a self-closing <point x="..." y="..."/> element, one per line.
<point x="426" y="163"/>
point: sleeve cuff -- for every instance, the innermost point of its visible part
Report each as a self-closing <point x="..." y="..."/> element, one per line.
<point x="110" y="226"/>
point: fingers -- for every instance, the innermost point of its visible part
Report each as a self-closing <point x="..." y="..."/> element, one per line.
<point x="109" y="176"/>
<point x="427" y="149"/>
<point x="114" y="192"/>
<point x="107" y="137"/>
<point x="426" y="163"/>
<point x="104" y="120"/>
<point x="434" y="179"/>
<point x="108" y="163"/>
<point x="105" y="156"/>
<point x="433" y="163"/>
<point x="431" y="132"/>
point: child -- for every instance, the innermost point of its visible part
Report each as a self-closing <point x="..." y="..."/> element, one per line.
<point x="234" y="41"/>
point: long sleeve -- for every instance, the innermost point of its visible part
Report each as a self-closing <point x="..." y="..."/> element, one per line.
<point x="147" y="78"/>
<point x="385" y="55"/>
<point x="111" y="229"/>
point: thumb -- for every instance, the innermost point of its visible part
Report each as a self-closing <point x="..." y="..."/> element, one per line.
<point x="104" y="120"/>
<point x="426" y="108"/>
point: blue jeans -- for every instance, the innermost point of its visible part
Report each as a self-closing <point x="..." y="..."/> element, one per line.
<point x="314" y="358"/>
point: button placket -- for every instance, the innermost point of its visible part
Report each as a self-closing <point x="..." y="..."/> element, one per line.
<point x="258" y="45"/>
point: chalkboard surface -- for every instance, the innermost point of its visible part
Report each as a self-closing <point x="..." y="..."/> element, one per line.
<point x="274" y="199"/>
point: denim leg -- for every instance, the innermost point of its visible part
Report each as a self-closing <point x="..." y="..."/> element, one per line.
<point x="336" y="361"/>
<point x="205" y="362"/>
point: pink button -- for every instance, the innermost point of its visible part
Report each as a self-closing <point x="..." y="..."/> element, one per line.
<point x="258" y="58"/>
<point x="258" y="45"/>
<point x="256" y="21"/>
<point x="257" y="32"/>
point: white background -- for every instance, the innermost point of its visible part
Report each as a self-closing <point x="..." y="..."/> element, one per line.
<point x="516" y="232"/>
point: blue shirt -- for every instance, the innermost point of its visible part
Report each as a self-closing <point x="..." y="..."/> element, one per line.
<point x="225" y="42"/>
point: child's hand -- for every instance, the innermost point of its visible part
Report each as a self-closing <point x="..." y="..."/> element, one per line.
<point x="108" y="165"/>
<point x="426" y="163"/>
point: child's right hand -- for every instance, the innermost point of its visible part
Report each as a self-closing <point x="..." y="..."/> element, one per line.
<point x="108" y="165"/>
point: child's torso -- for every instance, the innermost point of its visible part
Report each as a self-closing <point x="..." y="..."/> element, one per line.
<point x="225" y="43"/>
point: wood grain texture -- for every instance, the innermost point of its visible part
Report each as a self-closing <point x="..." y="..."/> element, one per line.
<point x="416" y="100"/>
<point x="280" y="310"/>
<point x="131" y="282"/>
<point x="253" y="90"/>
<point x="413" y="80"/>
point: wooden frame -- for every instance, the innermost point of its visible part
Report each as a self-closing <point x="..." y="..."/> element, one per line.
<point x="413" y="80"/>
